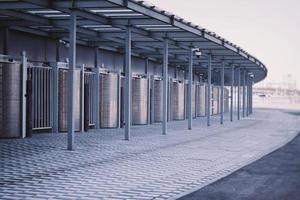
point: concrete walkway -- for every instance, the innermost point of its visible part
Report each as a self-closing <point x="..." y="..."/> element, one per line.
<point x="150" y="166"/>
<point x="275" y="176"/>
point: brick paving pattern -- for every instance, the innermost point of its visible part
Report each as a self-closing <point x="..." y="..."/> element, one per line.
<point x="149" y="166"/>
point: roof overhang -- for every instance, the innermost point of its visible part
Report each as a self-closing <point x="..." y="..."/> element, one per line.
<point x="103" y="23"/>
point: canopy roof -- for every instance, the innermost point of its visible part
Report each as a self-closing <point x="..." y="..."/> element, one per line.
<point x="102" y="23"/>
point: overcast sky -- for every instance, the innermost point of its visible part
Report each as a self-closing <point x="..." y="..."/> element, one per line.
<point x="267" y="29"/>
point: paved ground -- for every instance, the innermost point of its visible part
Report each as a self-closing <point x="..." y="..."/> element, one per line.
<point x="150" y="166"/>
<point x="276" y="177"/>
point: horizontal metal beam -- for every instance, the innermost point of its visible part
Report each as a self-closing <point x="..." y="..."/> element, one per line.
<point x="6" y="5"/>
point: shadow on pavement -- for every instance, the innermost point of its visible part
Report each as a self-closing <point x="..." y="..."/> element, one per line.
<point x="275" y="176"/>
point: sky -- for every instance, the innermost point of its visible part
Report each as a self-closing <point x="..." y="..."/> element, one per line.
<point x="267" y="29"/>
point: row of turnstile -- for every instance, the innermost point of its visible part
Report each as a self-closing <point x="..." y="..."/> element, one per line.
<point x="46" y="100"/>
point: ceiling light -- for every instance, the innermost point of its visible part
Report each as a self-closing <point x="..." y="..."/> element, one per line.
<point x="43" y="11"/>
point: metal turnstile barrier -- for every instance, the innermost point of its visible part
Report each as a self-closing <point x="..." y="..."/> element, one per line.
<point x="177" y="99"/>
<point x="194" y="100"/>
<point x="63" y="100"/>
<point x="139" y="100"/>
<point x="10" y="99"/>
<point x="42" y="93"/>
<point x="158" y="97"/>
<point x="202" y="92"/>
<point x="109" y="99"/>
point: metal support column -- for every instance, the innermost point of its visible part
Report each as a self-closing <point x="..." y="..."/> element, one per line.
<point x="222" y="92"/>
<point x="152" y="99"/>
<point x="209" y="90"/>
<point x="248" y="96"/>
<point x="148" y="91"/>
<point x="244" y="92"/>
<point x="96" y="106"/>
<point x="24" y="89"/>
<point x="128" y="79"/>
<point x="82" y="98"/>
<point x="71" y="84"/>
<point x="190" y="110"/>
<point x="236" y="97"/>
<point x="55" y="98"/>
<point x="231" y="93"/>
<point x="251" y="97"/>
<point x="238" y="94"/>
<point x="165" y="87"/>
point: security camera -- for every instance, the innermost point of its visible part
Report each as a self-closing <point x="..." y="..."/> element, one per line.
<point x="198" y="54"/>
<point x="66" y="44"/>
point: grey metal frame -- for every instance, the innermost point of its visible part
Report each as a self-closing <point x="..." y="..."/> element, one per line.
<point x="165" y="86"/>
<point x="222" y="92"/>
<point x="244" y="93"/>
<point x="209" y="68"/>
<point x="24" y="79"/>
<point x="190" y="110"/>
<point x="231" y="93"/>
<point x="128" y="80"/>
<point x="239" y="94"/>
<point x="97" y="90"/>
<point x="71" y="90"/>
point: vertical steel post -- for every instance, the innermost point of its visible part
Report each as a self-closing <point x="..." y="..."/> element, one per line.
<point x="190" y="110"/>
<point x="222" y="92"/>
<point x="55" y="98"/>
<point x="248" y="96"/>
<point x="128" y="79"/>
<point x="236" y="97"/>
<point x="152" y="99"/>
<point x="209" y="90"/>
<point x="120" y="116"/>
<point x="148" y="91"/>
<point x="82" y="98"/>
<point x="24" y="88"/>
<point x="231" y="93"/>
<point x="55" y="90"/>
<point x="71" y="83"/>
<point x="170" y="99"/>
<point x="238" y="94"/>
<point x="244" y="91"/>
<point x="165" y="87"/>
<point x="251" y="96"/>
<point x="96" y="106"/>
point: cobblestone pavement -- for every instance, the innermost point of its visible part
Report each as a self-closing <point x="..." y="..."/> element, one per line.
<point x="149" y="166"/>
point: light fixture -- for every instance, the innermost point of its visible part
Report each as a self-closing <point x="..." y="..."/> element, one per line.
<point x="123" y="15"/>
<point x="110" y="10"/>
<point x="59" y="15"/>
<point x="43" y="11"/>
<point x="96" y="26"/>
